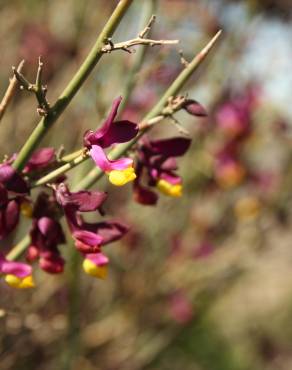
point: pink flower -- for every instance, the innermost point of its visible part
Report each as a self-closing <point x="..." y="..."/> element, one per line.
<point x="17" y="274"/>
<point x="120" y="171"/>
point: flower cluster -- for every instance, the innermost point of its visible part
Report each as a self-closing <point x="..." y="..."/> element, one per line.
<point x="89" y="237"/>
<point x="46" y="233"/>
<point x="156" y="165"/>
<point x="156" y="160"/>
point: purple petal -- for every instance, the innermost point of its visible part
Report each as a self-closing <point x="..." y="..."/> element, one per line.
<point x="84" y="201"/>
<point x="144" y="195"/>
<point x="119" y="132"/>
<point x="51" y="230"/>
<point x="111" y="132"/>
<point x="101" y="160"/>
<point x="12" y="214"/>
<point x="40" y="158"/>
<point x="9" y="218"/>
<point x="99" y="259"/>
<point x="88" y="237"/>
<point x="171" y="178"/>
<point x="53" y="264"/>
<point x="109" y="231"/>
<point x="99" y="133"/>
<point x="112" y="231"/>
<point x="18" y="269"/>
<point x="169" y="165"/>
<point x="3" y="195"/>
<point x="12" y="180"/>
<point x="173" y="147"/>
<point x="194" y="108"/>
<point x="85" y="248"/>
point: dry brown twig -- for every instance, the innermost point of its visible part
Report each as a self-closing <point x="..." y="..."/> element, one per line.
<point x="140" y="40"/>
<point x="10" y="91"/>
<point x="37" y="88"/>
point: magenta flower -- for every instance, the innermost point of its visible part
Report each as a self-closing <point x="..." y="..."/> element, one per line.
<point x="157" y="159"/>
<point x="40" y="159"/>
<point x="194" y="108"/>
<point x="13" y="191"/>
<point x="89" y="237"/>
<point x="96" y="265"/>
<point x="12" y="181"/>
<point x="17" y="274"/>
<point x="46" y="234"/>
<point x="120" y="171"/>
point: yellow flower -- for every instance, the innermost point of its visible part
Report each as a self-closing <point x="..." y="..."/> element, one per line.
<point x="165" y="187"/>
<point x="19" y="283"/>
<point x="92" y="269"/>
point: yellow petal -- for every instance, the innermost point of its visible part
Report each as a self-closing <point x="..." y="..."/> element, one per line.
<point x="92" y="269"/>
<point x="26" y="209"/>
<point x="122" y="177"/>
<point x="19" y="283"/>
<point x="172" y="190"/>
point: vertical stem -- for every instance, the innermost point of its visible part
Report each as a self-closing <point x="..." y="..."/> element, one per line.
<point x="148" y="10"/>
<point x="73" y="86"/>
<point x="72" y="344"/>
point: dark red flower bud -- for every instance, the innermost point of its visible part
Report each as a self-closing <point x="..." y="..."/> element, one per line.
<point x="53" y="264"/>
<point x="145" y="196"/>
<point x="32" y="253"/>
<point x="194" y="108"/>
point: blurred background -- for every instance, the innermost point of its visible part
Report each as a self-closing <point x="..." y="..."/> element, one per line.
<point x="202" y="282"/>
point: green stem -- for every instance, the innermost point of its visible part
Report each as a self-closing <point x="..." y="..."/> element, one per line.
<point x="69" y="157"/>
<point x="19" y="248"/>
<point x="60" y="170"/>
<point x="72" y="346"/>
<point x="148" y="10"/>
<point x="74" y="85"/>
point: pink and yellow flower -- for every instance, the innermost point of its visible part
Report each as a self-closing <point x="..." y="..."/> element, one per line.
<point x="16" y="274"/>
<point x="112" y="132"/>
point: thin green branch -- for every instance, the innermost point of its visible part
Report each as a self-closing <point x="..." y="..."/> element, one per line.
<point x="61" y="170"/>
<point x="19" y="248"/>
<point x="74" y="85"/>
<point x="148" y="10"/>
